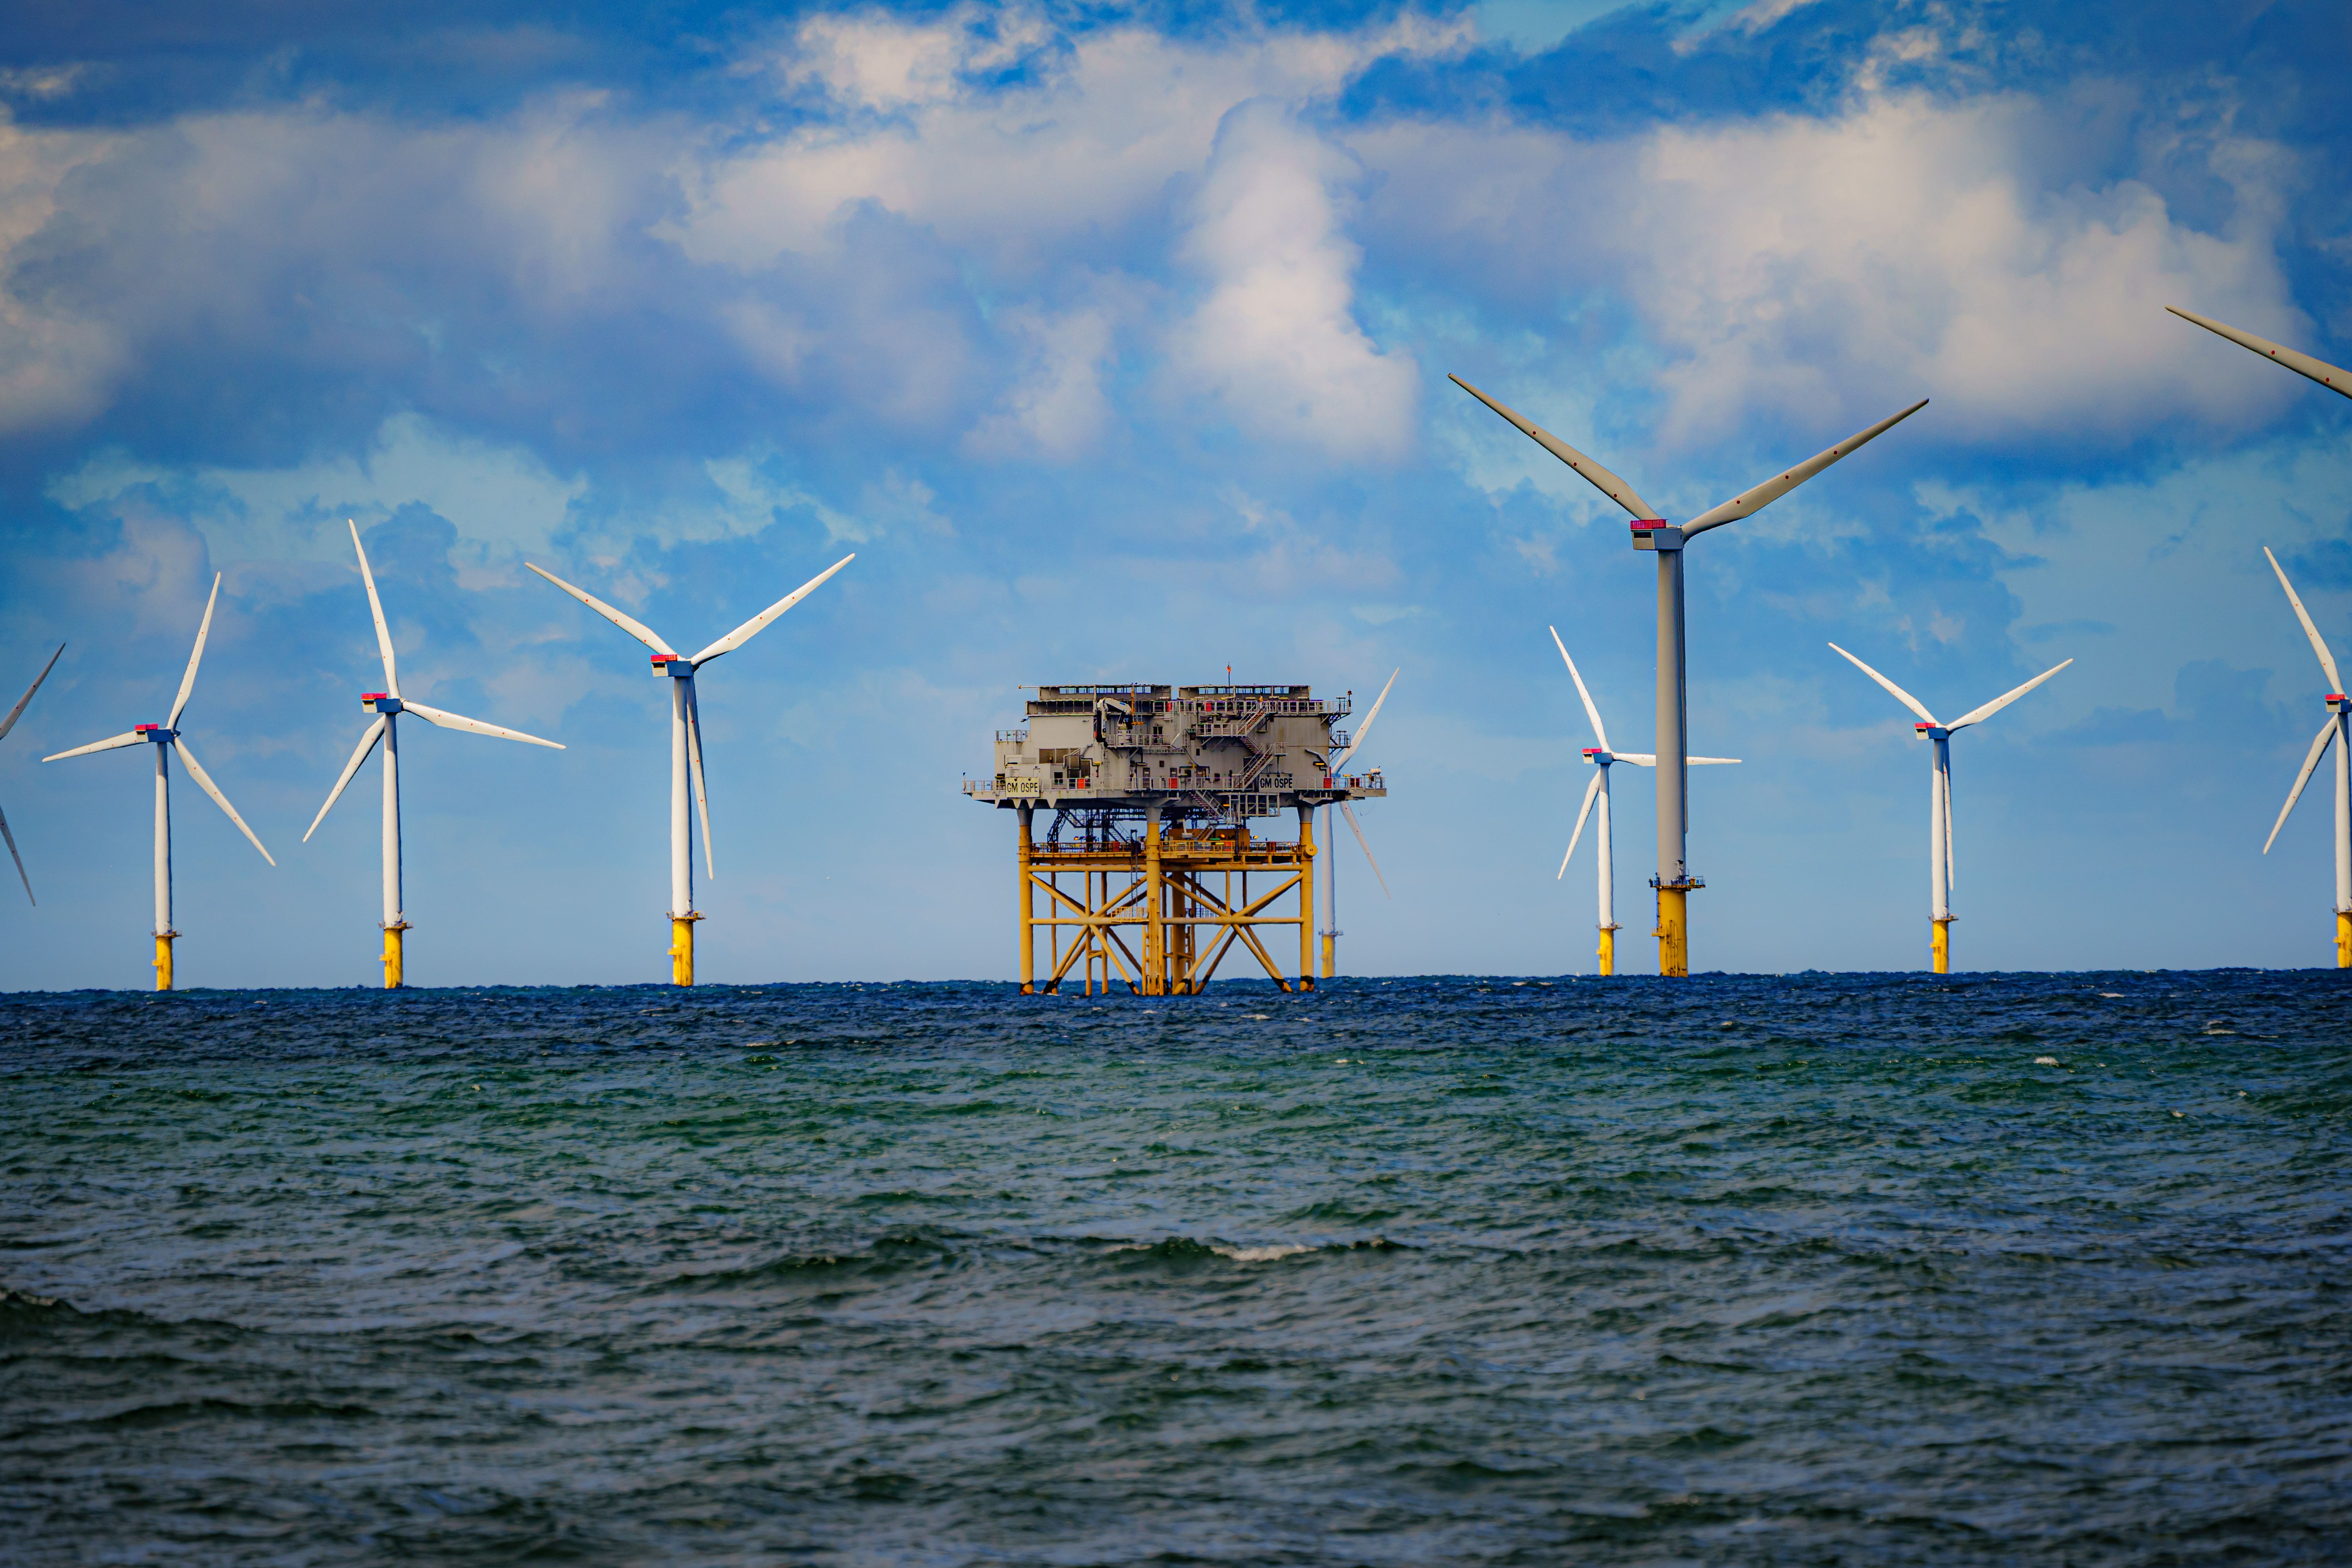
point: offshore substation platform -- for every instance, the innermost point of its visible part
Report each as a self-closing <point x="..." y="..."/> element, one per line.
<point x="1146" y="867"/>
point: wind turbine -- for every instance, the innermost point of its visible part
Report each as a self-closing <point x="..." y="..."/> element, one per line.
<point x="5" y="725"/>
<point x="686" y="748"/>
<point x="387" y="706"/>
<point x="2337" y="729"/>
<point x="1651" y="531"/>
<point x="1603" y="844"/>
<point x="1331" y="874"/>
<point x="166" y="739"/>
<point x="1939" y="795"/>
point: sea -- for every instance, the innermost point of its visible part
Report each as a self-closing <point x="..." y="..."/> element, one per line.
<point x="1817" y="1269"/>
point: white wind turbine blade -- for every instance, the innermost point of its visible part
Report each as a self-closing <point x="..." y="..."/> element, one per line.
<point x="1639" y="758"/>
<point x="1901" y="696"/>
<point x="195" y="656"/>
<point x="1591" y="712"/>
<point x="128" y="738"/>
<point x="1703" y="761"/>
<point x="1750" y="502"/>
<point x="1365" y="844"/>
<point x="759" y="623"/>
<point x="17" y="857"/>
<point x="447" y="720"/>
<point x="2326" y="659"/>
<point x="18" y="711"/>
<point x="376" y="608"/>
<point x="1340" y="763"/>
<point x="2318" y="749"/>
<point x="1600" y="479"/>
<point x="204" y="781"/>
<point x="1591" y="794"/>
<point x="1976" y="715"/>
<point x="637" y="629"/>
<point x="694" y="761"/>
<point x="368" y="739"/>
<point x="2320" y="370"/>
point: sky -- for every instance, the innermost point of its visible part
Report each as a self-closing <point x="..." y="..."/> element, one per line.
<point x="1114" y="340"/>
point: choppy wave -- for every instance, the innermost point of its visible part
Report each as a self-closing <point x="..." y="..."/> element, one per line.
<point x="1970" y="1269"/>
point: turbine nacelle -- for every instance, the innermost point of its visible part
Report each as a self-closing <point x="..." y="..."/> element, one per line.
<point x="380" y="702"/>
<point x="673" y="667"/>
<point x="1656" y="534"/>
<point x="161" y="735"/>
<point x="1933" y="731"/>
<point x="1599" y="756"/>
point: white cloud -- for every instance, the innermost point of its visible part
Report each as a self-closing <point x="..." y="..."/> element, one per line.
<point x="1838" y="266"/>
<point x="1273" y="340"/>
<point x="502" y="499"/>
<point x="874" y="62"/>
<point x="1907" y="244"/>
<point x="55" y="366"/>
<point x="1058" y="406"/>
<point x="753" y="496"/>
<point x="1087" y="146"/>
<point x="1829" y="267"/>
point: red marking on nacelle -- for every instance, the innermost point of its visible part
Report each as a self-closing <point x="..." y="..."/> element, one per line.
<point x="142" y="729"/>
<point x="1643" y="524"/>
<point x="1591" y="751"/>
<point x="2336" y="696"/>
<point x="1921" y="728"/>
<point x="373" y="696"/>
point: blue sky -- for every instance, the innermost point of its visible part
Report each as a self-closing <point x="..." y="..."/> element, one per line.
<point x="1115" y="342"/>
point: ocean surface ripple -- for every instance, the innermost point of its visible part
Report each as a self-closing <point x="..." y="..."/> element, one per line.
<point x="1817" y="1270"/>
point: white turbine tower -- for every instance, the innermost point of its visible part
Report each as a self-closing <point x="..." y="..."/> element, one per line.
<point x="166" y="739"/>
<point x="1939" y="795"/>
<point x="686" y="748"/>
<point x="2337" y="729"/>
<point x="1597" y="793"/>
<point x="1331" y="874"/>
<point x="387" y="706"/>
<point x="1651" y="531"/>
<point x="5" y="725"/>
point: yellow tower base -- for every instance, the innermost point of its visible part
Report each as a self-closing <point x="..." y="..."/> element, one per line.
<point x="1157" y="917"/>
<point x="164" y="959"/>
<point x="1940" y="944"/>
<point x="393" y="974"/>
<point x="1330" y="955"/>
<point x="681" y="949"/>
<point x="1608" y="952"/>
<point x="2344" y="938"/>
<point x="1674" y="932"/>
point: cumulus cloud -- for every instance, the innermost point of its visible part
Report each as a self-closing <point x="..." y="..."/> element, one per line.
<point x="56" y="364"/>
<point x="1907" y="244"/>
<point x="278" y="272"/>
<point x="1841" y="264"/>
<point x="1058" y="406"/>
<point x="500" y="499"/>
<point x="1077" y="152"/>
<point x="931" y="244"/>
<point x="1273" y="341"/>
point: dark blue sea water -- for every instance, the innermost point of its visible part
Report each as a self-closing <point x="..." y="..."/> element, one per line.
<point x="1823" y="1269"/>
